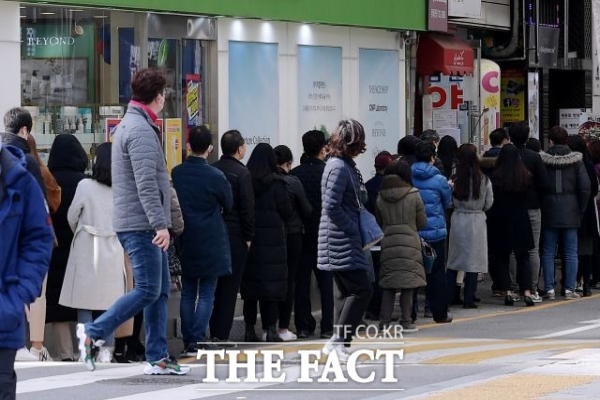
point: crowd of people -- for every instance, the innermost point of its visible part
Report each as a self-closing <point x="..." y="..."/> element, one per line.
<point x="265" y="228"/>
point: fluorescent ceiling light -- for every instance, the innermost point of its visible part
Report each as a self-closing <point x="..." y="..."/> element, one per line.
<point x="77" y="10"/>
<point x="100" y="16"/>
<point x="48" y="13"/>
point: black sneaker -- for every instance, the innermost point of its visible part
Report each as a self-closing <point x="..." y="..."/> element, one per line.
<point x="190" y="351"/>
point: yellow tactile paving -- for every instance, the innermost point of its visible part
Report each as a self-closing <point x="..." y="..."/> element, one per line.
<point x="517" y="387"/>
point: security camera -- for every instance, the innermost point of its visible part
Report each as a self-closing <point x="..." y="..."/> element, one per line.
<point x="406" y="34"/>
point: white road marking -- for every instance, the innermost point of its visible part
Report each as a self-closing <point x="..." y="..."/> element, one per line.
<point x="595" y="324"/>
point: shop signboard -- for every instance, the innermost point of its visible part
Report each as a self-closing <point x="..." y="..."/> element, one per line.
<point x="464" y="8"/>
<point x="490" y="100"/>
<point x="547" y="46"/>
<point x="173" y="142"/>
<point x="58" y="64"/>
<point x="512" y="108"/>
<point x="319" y="88"/>
<point x="437" y="15"/>
<point x="192" y="100"/>
<point x="254" y="92"/>
<point x="379" y="102"/>
<point x="111" y="127"/>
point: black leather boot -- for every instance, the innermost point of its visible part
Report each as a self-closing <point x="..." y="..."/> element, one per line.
<point x="250" y="335"/>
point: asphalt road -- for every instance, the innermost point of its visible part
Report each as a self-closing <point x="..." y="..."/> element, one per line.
<point x="551" y="351"/>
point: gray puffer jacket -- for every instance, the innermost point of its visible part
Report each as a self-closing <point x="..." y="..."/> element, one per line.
<point x="564" y="203"/>
<point x="139" y="175"/>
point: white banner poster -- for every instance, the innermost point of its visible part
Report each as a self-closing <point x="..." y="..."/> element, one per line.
<point x="319" y="88"/>
<point x="379" y="102"/>
<point x="254" y="92"/>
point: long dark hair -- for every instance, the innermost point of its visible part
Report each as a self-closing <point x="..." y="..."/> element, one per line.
<point x="262" y="163"/>
<point x="510" y="173"/>
<point x="468" y="175"/>
<point x="446" y="152"/>
<point x="101" y="171"/>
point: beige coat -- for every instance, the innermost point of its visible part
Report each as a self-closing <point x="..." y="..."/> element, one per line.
<point x="95" y="277"/>
<point x="401" y="213"/>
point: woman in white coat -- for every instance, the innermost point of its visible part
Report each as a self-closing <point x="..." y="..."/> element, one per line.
<point x="472" y="196"/>
<point x="95" y="277"/>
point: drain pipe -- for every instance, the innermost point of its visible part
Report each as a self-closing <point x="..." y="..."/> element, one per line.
<point x="500" y="55"/>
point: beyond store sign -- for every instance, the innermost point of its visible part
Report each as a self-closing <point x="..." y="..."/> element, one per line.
<point x="51" y="41"/>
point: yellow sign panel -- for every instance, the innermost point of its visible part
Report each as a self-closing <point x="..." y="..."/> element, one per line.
<point x="173" y="142"/>
<point x="513" y="96"/>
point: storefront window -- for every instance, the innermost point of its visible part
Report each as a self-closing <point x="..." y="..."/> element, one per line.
<point x="77" y="63"/>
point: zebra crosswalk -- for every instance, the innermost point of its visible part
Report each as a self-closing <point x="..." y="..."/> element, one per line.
<point x="449" y="359"/>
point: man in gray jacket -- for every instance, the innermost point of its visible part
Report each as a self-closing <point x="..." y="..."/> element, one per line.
<point x="142" y="218"/>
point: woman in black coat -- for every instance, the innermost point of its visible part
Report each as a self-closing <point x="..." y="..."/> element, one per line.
<point x="509" y="229"/>
<point x="588" y="231"/>
<point x="67" y="162"/>
<point x="265" y="275"/>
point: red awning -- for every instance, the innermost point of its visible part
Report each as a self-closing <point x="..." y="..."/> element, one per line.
<point x="444" y="54"/>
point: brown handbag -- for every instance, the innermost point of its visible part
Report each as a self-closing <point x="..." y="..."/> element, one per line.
<point x="126" y="328"/>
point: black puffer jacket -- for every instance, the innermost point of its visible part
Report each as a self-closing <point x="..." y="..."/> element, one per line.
<point x="32" y="166"/>
<point x="67" y="162"/>
<point x="310" y="173"/>
<point x="265" y="275"/>
<point x="301" y="207"/>
<point x="566" y="198"/>
<point x="240" y="220"/>
<point x="539" y="184"/>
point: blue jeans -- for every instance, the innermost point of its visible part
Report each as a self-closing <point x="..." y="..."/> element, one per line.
<point x="85" y="316"/>
<point x="197" y="298"/>
<point x="569" y="240"/>
<point x="150" y="293"/>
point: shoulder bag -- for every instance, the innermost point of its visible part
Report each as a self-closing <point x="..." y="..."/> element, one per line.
<point x="370" y="232"/>
<point x="429" y="256"/>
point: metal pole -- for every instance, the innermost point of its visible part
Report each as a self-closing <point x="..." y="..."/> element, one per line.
<point x="566" y="35"/>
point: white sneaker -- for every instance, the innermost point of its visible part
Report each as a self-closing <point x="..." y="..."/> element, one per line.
<point x="287" y="336"/>
<point x="24" y="355"/>
<point x="41" y="355"/>
<point x="104" y="355"/>
<point x="569" y="295"/>
<point x="339" y="349"/>
<point x="535" y="296"/>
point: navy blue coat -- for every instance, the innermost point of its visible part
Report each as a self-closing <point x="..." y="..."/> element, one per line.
<point x="204" y="195"/>
<point x="340" y="244"/>
<point x="25" y="247"/>
<point x="436" y="195"/>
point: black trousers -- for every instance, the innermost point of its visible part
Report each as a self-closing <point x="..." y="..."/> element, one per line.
<point x="268" y="312"/>
<point x="294" y="249"/>
<point x="8" y="377"/>
<point x="523" y="270"/>
<point x="352" y="292"/>
<point x="227" y="290"/>
<point x="303" y="318"/>
<point x="437" y="290"/>
<point x="470" y="286"/>
<point x="375" y="304"/>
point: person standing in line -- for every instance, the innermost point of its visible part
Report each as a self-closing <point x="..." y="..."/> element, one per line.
<point x="301" y="209"/>
<point x="67" y="162"/>
<point x="240" y="228"/>
<point x="588" y="231"/>
<point x="310" y="172"/>
<point x="519" y="136"/>
<point x="436" y="194"/>
<point x="18" y="123"/>
<point x="25" y="251"/>
<point x="37" y="310"/>
<point x="563" y="207"/>
<point x="508" y="222"/>
<point x="472" y="196"/>
<point x="498" y="138"/>
<point x="142" y="218"/>
<point x="265" y="276"/>
<point x="204" y="195"/>
<point x="95" y="275"/>
<point x="340" y="242"/>
<point x="401" y="212"/>
<point x="382" y="161"/>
